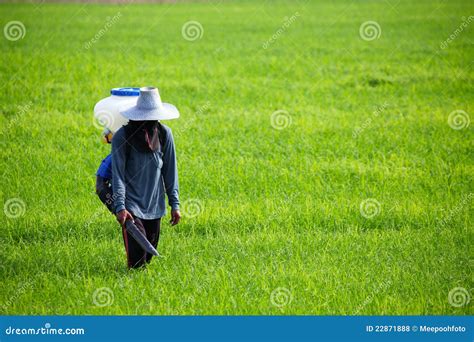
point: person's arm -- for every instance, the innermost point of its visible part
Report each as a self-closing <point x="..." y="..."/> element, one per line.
<point x="118" y="175"/>
<point x="169" y="172"/>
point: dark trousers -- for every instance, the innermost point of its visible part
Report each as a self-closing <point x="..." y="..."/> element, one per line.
<point x="136" y="255"/>
<point x="103" y="189"/>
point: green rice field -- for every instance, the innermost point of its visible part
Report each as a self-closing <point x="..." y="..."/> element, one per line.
<point x="325" y="157"/>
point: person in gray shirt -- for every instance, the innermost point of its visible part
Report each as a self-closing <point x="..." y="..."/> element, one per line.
<point x="144" y="170"/>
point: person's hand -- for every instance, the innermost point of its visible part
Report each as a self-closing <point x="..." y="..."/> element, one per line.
<point x="175" y="217"/>
<point x="123" y="215"/>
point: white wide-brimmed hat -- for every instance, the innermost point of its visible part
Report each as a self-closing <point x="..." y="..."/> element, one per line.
<point x="149" y="107"/>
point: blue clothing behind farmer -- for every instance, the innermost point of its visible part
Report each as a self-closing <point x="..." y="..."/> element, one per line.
<point x="105" y="168"/>
<point x="103" y="185"/>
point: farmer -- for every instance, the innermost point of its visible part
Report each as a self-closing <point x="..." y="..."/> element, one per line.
<point x="143" y="170"/>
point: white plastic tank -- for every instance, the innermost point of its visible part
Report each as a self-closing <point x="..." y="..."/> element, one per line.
<point x="107" y="111"/>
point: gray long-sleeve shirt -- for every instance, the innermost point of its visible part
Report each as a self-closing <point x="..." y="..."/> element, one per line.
<point x="140" y="180"/>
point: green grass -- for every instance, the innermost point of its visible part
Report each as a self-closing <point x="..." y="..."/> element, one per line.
<point x="280" y="208"/>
